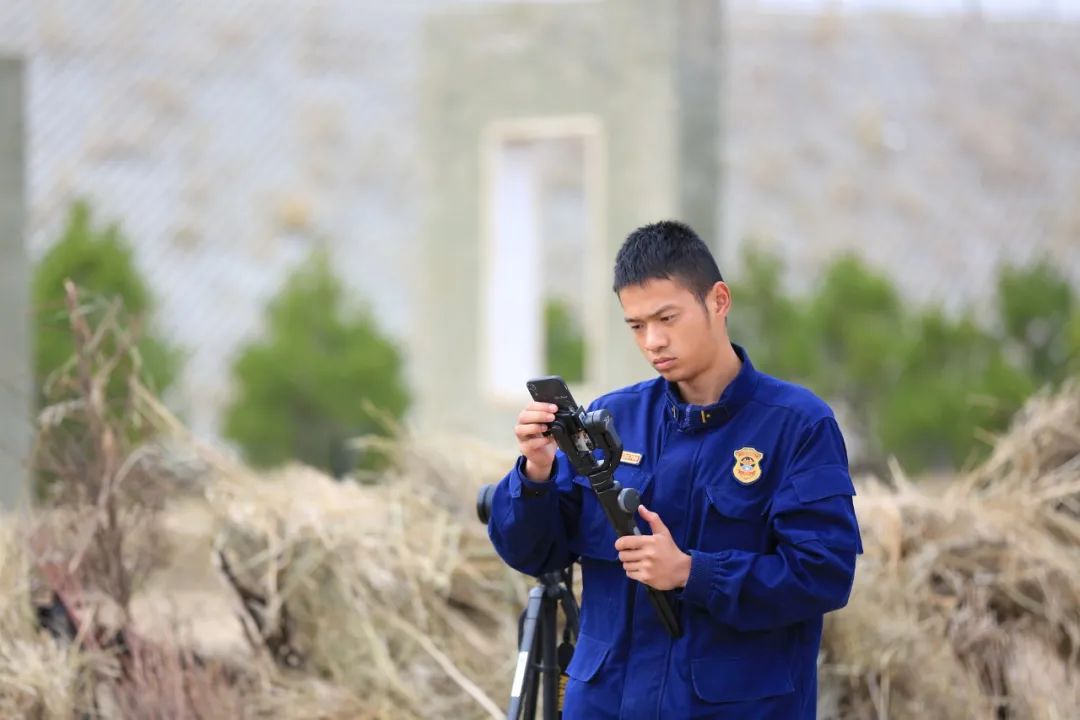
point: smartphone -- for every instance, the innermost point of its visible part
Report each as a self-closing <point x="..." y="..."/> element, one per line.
<point x="568" y="426"/>
<point x="552" y="389"/>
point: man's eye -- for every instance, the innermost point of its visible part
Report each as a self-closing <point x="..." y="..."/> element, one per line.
<point x="635" y="327"/>
<point x="667" y="318"/>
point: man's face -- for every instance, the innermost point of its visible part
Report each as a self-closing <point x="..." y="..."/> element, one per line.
<point x="676" y="334"/>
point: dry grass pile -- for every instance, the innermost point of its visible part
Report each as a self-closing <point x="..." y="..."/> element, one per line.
<point x="391" y="590"/>
<point x="39" y="677"/>
<point x="967" y="602"/>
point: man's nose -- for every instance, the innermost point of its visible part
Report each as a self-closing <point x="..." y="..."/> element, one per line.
<point x="655" y="339"/>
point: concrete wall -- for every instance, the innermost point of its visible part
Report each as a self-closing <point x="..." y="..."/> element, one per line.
<point x="15" y="380"/>
<point x="645" y="71"/>
<point x="935" y="148"/>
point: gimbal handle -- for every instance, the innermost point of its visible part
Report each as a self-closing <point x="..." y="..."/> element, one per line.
<point x="579" y="435"/>
<point x="620" y="505"/>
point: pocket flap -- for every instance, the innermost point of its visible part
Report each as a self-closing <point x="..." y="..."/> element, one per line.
<point x="736" y="679"/>
<point x="823" y="482"/>
<point x="743" y="502"/>
<point x="589" y="656"/>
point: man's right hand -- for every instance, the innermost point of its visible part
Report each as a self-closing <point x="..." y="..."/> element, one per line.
<point x="539" y="451"/>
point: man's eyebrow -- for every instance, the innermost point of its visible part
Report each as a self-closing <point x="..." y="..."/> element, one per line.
<point x="666" y="308"/>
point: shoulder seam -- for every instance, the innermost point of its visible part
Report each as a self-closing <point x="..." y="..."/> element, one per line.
<point x="801" y="414"/>
<point x="635" y="389"/>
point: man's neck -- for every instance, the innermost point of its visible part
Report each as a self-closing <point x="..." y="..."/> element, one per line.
<point x="706" y="388"/>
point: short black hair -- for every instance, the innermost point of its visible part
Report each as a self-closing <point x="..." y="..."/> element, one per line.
<point x="666" y="250"/>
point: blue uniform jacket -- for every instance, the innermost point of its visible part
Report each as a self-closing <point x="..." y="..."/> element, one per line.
<point x="756" y="489"/>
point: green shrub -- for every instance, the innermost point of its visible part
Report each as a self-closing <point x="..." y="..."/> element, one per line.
<point x="953" y="381"/>
<point x="100" y="262"/>
<point x="564" y="342"/>
<point x="1036" y="305"/>
<point x="772" y="325"/>
<point x="320" y="376"/>
<point x="916" y="383"/>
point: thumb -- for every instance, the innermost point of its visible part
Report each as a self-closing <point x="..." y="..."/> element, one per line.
<point x="655" y="523"/>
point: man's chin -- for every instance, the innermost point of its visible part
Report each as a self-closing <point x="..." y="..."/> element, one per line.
<point x="671" y="374"/>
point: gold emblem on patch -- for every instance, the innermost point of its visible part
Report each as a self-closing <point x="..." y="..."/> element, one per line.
<point x="631" y="458"/>
<point x="746" y="468"/>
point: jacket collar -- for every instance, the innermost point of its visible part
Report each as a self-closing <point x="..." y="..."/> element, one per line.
<point x="694" y="418"/>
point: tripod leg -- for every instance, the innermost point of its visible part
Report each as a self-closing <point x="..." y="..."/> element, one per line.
<point x="570" y="610"/>
<point x="525" y="673"/>
<point x="532" y="681"/>
<point x="550" y="668"/>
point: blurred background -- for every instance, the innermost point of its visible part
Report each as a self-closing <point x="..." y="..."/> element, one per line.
<point x="329" y="220"/>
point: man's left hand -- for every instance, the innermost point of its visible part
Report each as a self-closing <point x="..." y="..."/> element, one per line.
<point x="654" y="559"/>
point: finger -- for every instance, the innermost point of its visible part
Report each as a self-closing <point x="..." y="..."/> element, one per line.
<point x="655" y="523"/>
<point x="525" y="432"/>
<point x="536" y="443"/>
<point x="532" y="444"/>
<point x="542" y="408"/>
<point x="632" y="556"/>
<point x="632" y="542"/>
<point x="535" y="416"/>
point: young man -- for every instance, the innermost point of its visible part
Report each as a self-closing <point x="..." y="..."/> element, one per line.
<point x="747" y="513"/>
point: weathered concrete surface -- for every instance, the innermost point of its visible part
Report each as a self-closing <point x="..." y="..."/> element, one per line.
<point x="15" y="383"/>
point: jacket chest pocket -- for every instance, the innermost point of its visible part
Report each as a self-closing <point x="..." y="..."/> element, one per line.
<point x="595" y="538"/>
<point x="735" y="517"/>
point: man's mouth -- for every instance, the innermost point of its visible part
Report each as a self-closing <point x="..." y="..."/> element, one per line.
<point x="663" y="363"/>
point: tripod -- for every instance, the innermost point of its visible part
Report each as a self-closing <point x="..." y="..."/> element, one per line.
<point x="538" y="655"/>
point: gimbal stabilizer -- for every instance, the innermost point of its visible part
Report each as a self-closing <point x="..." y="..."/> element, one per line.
<point x="579" y="435"/>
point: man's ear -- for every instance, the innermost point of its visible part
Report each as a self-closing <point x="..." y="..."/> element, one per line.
<point x="720" y="299"/>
